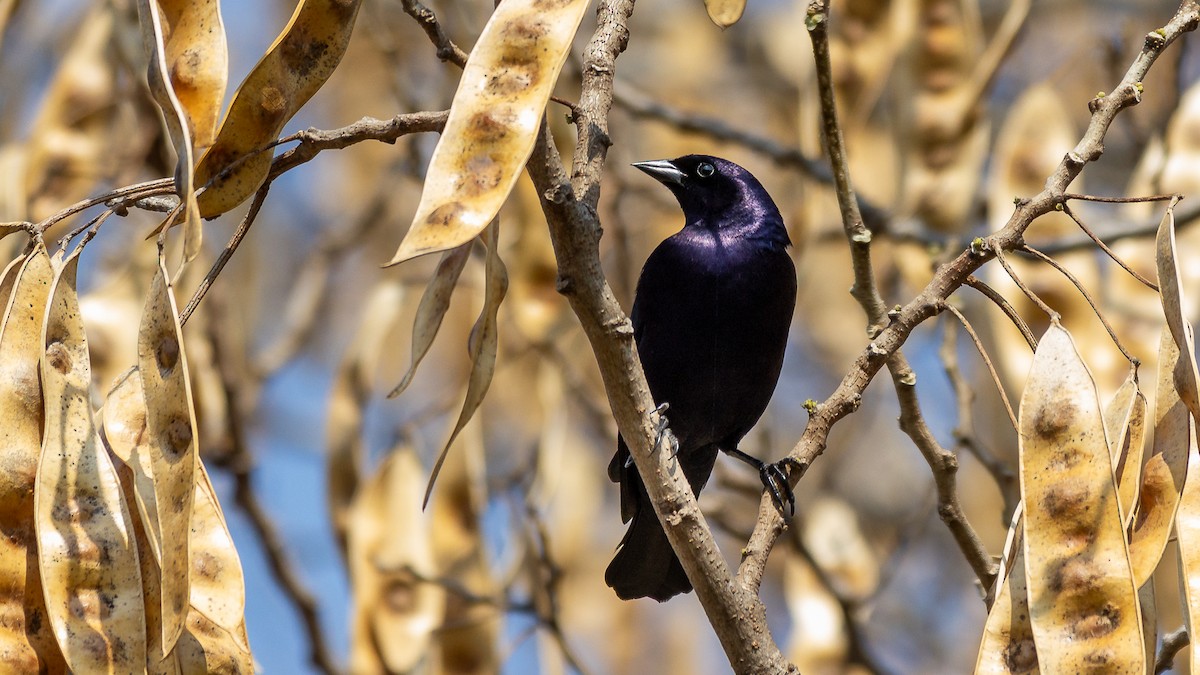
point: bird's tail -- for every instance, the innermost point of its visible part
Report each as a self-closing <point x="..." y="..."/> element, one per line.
<point x="646" y="566"/>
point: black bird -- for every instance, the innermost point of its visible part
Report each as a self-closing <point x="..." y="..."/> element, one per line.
<point x="710" y="318"/>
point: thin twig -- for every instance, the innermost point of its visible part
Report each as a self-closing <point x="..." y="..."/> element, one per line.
<point x="944" y="466"/>
<point x="999" y="300"/>
<point x="549" y="585"/>
<point x="234" y="241"/>
<point x="313" y="141"/>
<point x="1021" y="285"/>
<point x="125" y="194"/>
<point x="91" y="227"/>
<point x="963" y="431"/>
<point x="864" y="290"/>
<point x="1086" y="296"/>
<point x="987" y="361"/>
<point x="1117" y="200"/>
<point x="1121" y="231"/>
<point x="427" y="20"/>
<point x="1104" y="247"/>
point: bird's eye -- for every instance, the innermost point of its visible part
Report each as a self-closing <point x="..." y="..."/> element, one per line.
<point x="705" y="170"/>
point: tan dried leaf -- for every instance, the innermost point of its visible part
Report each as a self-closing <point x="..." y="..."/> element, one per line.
<point x="295" y="66"/>
<point x="87" y="556"/>
<point x="1082" y="599"/>
<point x="493" y="123"/>
<point x="25" y="646"/>
<point x="434" y="303"/>
<point x="483" y="344"/>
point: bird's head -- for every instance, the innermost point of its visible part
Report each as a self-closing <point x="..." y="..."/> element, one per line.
<point x="718" y="194"/>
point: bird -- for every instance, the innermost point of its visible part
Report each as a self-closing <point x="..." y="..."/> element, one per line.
<point x="710" y="317"/>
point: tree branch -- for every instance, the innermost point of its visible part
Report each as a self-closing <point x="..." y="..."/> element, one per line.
<point x="569" y="203"/>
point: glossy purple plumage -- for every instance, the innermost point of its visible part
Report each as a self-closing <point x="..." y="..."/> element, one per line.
<point x="710" y="318"/>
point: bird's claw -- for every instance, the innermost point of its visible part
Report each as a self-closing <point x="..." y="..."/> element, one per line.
<point x="775" y="479"/>
<point x="660" y="430"/>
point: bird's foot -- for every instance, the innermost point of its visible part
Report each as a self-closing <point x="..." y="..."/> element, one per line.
<point x="660" y="432"/>
<point x="774" y="478"/>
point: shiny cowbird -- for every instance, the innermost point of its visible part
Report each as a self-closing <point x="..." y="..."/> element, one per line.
<point x="710" y="319"/>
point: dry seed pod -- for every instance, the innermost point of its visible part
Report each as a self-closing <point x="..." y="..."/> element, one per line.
<point x="299" y="61"/>
<point x="171" y="436"/>
<point x="1187" y="529"/>
<point x="218" y="588"/>
<point x="157" y="662"/>
<point x="87" y="556"/>
<point x="725" y="13"/>
<point x="1171" y="286"/>
<point x="24" y="646"/>
<point x="1036" y="133"/>
<point x="1125" y="428"/>
<point x="205" y="647"/>
<point x="493" y="122"/>
<point x="1082" y="598"/>
<point x="1008" y="646"/>
<point x="198" y="62"/>
<point x="8" y="280"/>
<point x="1163" y="475"/>
<point x="835" y="540"/>
<point x="159" y="77"/>
<point x="397" y="608"/>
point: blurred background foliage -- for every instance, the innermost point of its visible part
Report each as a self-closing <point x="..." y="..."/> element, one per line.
<point x="949" y="112"/>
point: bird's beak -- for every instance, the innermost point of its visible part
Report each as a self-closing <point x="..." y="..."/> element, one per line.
<point x="662" y="171"/>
